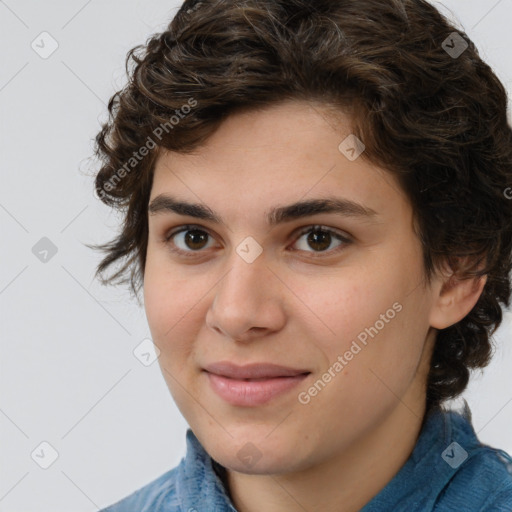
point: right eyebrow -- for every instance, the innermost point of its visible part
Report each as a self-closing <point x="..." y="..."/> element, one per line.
<point x="341" y="206"/>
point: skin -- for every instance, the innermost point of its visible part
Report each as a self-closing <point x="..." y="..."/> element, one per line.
<point x="289" y="307"/>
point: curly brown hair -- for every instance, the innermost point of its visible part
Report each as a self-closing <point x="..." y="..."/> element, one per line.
<point x="435" y="119"/>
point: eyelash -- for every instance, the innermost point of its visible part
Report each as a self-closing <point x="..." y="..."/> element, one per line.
<point x="191" y="254"/>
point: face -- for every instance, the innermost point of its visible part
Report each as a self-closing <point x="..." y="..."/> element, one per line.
<point x="333" y="295"/>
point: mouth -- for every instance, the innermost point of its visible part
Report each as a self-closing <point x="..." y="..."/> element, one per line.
<point x="253" y="371"/>
<point x="254" y="384"/>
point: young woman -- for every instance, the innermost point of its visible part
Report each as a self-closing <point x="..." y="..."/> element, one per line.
<point x="317" y="204"/>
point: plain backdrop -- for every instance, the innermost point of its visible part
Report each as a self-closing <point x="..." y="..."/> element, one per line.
<point x="69" y="376"/>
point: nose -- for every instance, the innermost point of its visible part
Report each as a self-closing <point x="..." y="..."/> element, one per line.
<point x="248" y="301"/>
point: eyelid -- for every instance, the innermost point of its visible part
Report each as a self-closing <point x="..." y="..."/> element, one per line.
<point x="322" y="227"/>
<point x="338" y="234"/>
<point x="185" y="227"/>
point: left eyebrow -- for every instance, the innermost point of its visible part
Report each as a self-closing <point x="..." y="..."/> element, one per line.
<point x="277" y="215"/>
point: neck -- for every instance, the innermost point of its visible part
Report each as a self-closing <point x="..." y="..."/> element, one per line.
<point x="346" y="481"/>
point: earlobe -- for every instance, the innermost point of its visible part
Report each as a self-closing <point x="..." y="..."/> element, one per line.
<point x="455" y="299"/>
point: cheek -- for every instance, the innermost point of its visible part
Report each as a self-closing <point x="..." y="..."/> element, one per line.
<point x="380" y="356"/>
<point x="176" y="305"/>
<point x="347" y="305"/>
<point x="158" y="304"/>
<point x="374" y="323"/>
<point x="169" y="302"/>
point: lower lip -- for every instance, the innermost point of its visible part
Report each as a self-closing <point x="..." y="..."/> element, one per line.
<point x="252" y="393"/>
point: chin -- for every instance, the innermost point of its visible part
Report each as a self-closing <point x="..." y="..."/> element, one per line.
<point x="263" y="466"/>
<point x="247" y="455"/>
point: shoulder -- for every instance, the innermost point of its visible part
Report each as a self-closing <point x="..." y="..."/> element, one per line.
<point x="482" y="477"/>
<point x="192" y="485"/>
<point x="484" y="482"/>
<point x="160" y="494"/>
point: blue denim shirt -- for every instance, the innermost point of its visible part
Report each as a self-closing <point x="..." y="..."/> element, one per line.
<point x="449" y="470"/>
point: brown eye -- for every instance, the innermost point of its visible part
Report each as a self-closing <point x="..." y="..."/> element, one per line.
<point x="195" y="239"/>
<point x="320" y="239"/>
<point x="188" y="240"/>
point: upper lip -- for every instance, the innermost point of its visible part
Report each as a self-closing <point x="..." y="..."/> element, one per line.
<point x="252" y="371"/>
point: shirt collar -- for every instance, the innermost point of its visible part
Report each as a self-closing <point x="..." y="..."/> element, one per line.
<point x="420" y="480"/>
<point x="197" y="484"/>
<point x="446" y="439"/>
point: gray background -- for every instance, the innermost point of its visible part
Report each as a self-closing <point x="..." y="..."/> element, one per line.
<point x="68" y="373"/>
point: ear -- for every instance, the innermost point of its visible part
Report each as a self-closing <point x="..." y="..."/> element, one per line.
<point x="454" y="298"/>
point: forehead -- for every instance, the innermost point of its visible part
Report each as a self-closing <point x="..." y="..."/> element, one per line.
<point x="289" y="151"/>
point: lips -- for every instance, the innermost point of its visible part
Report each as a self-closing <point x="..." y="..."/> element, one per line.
<point x="253" y="384"/>
<point x="254" y="371"/>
